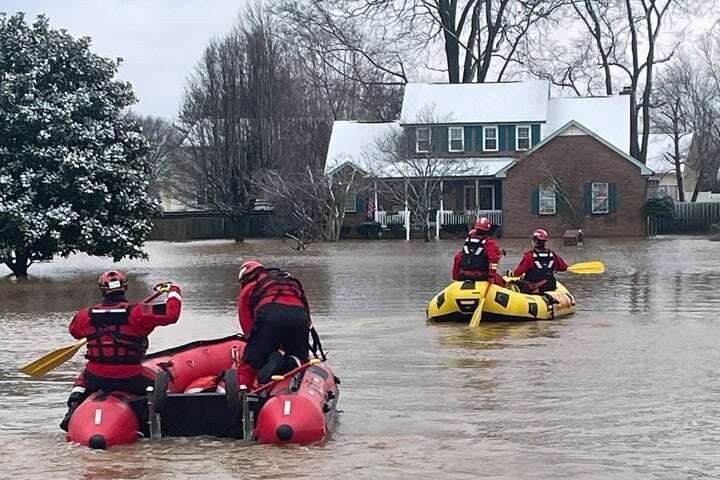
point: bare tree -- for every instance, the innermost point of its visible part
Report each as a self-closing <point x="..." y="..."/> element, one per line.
<point x="164" y="142"/>
<point x="309" y="205"/>
<point x="671" y="116"/>
<point x="413" y="179"/>
<point x="478" y="37"/>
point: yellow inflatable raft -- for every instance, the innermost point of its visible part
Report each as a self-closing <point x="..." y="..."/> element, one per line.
<point x="460" y="299"/>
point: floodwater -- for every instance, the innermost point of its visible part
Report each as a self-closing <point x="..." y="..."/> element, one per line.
<point x="627" y="388"/>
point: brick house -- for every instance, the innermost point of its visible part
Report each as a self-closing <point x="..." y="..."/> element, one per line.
<point x="493" y="144"/>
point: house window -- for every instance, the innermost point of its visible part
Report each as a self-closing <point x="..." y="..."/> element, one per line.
<point x="456" y="139"/>
<point x="490" y="139"/>
<point x="422" y="140"/>
<point x="600" y="198"/>
<point x="547" y="201"/>
<point x="350" y="204"/>
<point x="522" y="138"/>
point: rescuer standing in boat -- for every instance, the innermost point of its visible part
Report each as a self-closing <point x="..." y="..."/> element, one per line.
<point x="274" y="314"/>
<point x="117" y="333"/>
<point x="538" y="266"/>
<point x="479" y="258"/>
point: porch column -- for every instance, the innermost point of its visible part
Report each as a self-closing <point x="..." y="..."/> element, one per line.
<point x="477" y="198"/>
<point x="407" y="214"/>
<point x="439" y="216"/>
<point x="376" y="202"/>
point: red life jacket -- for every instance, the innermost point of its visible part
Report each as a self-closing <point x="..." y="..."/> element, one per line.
<point x="274" y="285"/>
<point x="474" y="264"/>
<point x="543" y="266"/>
<point x="110" y="343"/>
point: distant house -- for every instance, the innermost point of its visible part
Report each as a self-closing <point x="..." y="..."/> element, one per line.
<point x="660" y="160"/>
<point x="528" y="159"/>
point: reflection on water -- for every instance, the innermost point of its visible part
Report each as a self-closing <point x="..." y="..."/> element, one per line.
<point x="626" y="388"/>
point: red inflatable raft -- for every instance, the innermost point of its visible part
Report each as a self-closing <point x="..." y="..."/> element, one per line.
<point x="297" y="407"/>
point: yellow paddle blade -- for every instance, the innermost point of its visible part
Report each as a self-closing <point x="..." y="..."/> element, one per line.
<point x="587" y="267"/>
<point x="477" y="315"/>
<point x="52" y="360"/>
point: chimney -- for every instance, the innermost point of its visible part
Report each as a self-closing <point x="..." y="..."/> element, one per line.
<point x="627" y="90"/>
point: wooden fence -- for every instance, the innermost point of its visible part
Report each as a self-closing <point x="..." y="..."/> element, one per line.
<point x="689" y="218"/>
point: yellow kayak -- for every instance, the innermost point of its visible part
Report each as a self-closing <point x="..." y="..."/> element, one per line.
<point x="460" y="299"/>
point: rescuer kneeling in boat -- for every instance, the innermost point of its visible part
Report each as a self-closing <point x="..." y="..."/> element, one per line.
<point x="538" y="266"/>
<point x="274" y="314"/>
<point x="117" y="333"/>
<point x="478" y="260"/>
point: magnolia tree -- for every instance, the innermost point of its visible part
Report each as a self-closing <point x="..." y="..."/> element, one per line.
<point x="73" y="177"/>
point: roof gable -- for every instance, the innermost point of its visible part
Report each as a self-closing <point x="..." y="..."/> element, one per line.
<point x="572" y="124"/>
<point x="468" y="103"/>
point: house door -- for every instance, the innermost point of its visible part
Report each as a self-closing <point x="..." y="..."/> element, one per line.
<point x="470" y="202"/>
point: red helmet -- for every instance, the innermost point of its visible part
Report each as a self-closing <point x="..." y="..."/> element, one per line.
<point x="540" y="234"/>
<point x="247" y="268"/>
<point x="483" y="224"/>
<point x="112" y="281"/>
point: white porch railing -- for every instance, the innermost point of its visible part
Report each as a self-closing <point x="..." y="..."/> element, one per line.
<point x="400" y="218"/>
<point x="465" y="217"/>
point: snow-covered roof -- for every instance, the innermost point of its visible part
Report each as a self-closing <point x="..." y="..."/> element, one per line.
<point x="353" y="142"/>
<point x="660" y="144"/>
<point x="443" y="167"/>
<point x="607" y="117"/>
<point x="475" y="102"/>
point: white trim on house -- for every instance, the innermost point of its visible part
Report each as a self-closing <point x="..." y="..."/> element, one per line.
<point x="462" y="139"/>
<point x="517" y="137"/>
<point x="599" y="211"/>
<point x="497" y="138"/>
<point x="549" y="194"/>
<point x="418" y="140"/>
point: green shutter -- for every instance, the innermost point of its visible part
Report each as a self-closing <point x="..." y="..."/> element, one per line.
<point x="468" y="139"/>
<point x="506" y="137"/>
<point x="440" y="139"/>
<point x="535" y="134"/>
<point x="587" y="198"/>
<point x="535" y="201"/>
<point x="613" y="199"/>
<point x="478" y="136"/>
<point x="359" y="204"/>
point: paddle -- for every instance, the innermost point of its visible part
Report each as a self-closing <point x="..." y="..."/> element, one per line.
<point x="477" y="314"/>
<point x="54" y="359"/>
<point x="587" y="267"/>
<point x="279" y="378"/>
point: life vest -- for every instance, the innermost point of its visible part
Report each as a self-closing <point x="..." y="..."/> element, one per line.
<point x="109" y="344"/>
<point x="543" y="265"/>
<point x="275" y="284"/>
<point x="474" y="261"/>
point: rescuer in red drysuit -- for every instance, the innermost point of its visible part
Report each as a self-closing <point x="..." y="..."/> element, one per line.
<point x="274" y="314"/>
<point x="117" y="333"/>
<point x="538" y="266"/>
<point x="479" y="257"/>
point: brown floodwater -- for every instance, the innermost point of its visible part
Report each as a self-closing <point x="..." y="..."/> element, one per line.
<point x="628" y="387"/>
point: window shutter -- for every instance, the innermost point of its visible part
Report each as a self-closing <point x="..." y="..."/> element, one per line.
<point x="467" y="132"/>
<point x="436" y="144"/>
<point x="613" y="199"/>
<point x="534" y="134"/>
<point x="359" y="204"/>
<point x="587" y="198"/>
<point x="535" y="201"/>
<point x="478" y="139"/>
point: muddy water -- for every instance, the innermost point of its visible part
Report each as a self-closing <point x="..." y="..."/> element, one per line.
<point x="626" y="388"/>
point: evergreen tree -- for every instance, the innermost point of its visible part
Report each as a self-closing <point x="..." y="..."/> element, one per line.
<point x="73" y="176"/>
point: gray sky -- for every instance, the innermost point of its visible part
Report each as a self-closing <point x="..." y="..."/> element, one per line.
<point x="159" y="40"/>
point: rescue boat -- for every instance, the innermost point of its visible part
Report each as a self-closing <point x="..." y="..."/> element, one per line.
<point x="458" y="301"/>
<point x="297" y="407"/>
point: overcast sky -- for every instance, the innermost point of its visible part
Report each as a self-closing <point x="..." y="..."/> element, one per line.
<point x="159" y="40"/>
